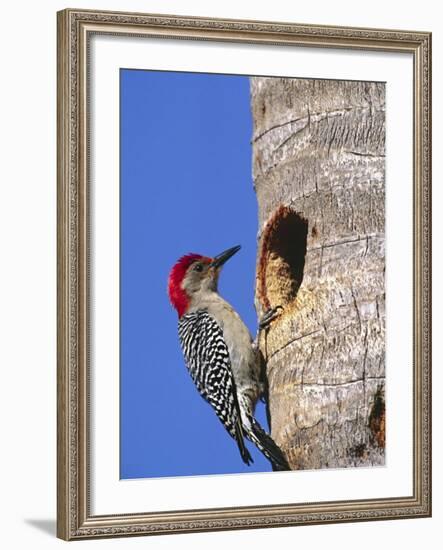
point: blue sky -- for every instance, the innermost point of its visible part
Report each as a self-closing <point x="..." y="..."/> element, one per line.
<point x="186" y="186"/>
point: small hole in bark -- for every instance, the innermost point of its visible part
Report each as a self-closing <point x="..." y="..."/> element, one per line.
<point x="282" y="258"/>
<point x="358" y="451"/>
<point x="377" y="420"/>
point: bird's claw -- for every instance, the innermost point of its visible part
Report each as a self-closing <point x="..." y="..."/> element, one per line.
<point x="269" y="316"/>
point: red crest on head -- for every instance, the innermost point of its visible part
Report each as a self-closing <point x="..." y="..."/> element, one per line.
<point x="178" y="297"/>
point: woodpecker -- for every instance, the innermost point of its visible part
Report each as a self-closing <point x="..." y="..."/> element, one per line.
<point x="219" y="352"/>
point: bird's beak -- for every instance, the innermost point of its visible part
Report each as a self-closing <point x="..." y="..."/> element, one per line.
<point x="220" y="259"/>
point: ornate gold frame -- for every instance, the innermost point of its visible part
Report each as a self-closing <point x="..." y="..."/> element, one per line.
<point x="74" y="30"/>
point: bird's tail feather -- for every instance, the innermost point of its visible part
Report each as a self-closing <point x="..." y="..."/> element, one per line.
<point x="246" y="456"/>
<point x="267" y="446"/>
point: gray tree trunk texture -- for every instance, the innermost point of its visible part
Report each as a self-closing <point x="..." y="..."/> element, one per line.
<point x="319" y="176"/>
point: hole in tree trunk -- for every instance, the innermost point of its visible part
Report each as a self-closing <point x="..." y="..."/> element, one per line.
<point x="377" y="417"/>
<point x="282" y="258"/>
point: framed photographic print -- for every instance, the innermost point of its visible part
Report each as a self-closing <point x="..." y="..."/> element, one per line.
<point x="243" y="274"/>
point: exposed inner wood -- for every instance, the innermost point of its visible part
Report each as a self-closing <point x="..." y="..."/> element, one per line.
<point x="282" y="258"/>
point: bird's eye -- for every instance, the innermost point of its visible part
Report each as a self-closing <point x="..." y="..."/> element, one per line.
<point x="198" y="267"/>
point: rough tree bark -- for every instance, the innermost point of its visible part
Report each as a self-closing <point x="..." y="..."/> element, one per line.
<point x="319" y="171"/>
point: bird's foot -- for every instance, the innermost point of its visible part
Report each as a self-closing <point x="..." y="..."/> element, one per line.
<point x="269" y="316"/>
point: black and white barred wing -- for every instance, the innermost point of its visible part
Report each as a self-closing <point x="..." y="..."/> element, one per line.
<point x="207" y="359"/>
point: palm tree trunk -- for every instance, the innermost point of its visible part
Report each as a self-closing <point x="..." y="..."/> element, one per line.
<point x="319" y="176"/>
